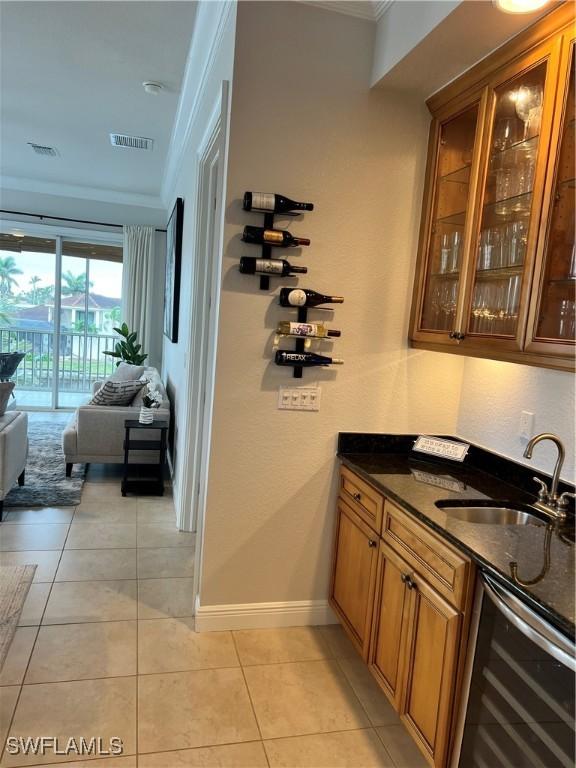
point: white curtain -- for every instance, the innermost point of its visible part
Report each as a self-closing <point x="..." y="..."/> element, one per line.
<point x="138" y="285"/>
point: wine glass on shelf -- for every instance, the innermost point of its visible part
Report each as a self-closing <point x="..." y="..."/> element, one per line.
<point x="504" y="133"/>
<point x="528" y="98"/>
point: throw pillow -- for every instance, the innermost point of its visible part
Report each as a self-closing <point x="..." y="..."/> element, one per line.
<point x="6" y="388"/>
<point x="127" y="372"/>
<point x="116" y="393"/>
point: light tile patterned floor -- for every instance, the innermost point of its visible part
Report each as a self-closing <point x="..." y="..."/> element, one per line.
<point x="107" y="647"/>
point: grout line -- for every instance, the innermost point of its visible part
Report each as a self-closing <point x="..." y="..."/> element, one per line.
<point x="249" y="696"/>
<point x="10" y="724"/>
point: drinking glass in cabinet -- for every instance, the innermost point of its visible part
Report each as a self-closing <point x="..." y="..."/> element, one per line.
<point x="505" y="133"/>
<point x="495" y="306"/>
<point x="528" y="102"/>
<point x="448" y="220"/>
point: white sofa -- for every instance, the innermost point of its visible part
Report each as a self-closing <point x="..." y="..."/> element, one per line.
<point x="95" y="433"/>
<point x="13" y="451"/>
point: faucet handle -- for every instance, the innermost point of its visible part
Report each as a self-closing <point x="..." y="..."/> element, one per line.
<point x="543" y="493"/>
<point x="563" y="499"/>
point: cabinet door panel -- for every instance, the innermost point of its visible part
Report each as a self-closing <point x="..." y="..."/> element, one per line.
<point x="514" y="168"/>
<point x="389" y="623"/>
<point x="432" y="658"/>
<point x="552" y="326"/>
<point x="353" y="575"/>
<point x="455" y="142"/>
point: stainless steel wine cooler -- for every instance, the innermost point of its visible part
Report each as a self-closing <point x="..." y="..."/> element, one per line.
<point x="518" y="711"/>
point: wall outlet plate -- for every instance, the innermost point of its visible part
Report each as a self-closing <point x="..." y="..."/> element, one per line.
<point x="299" y="398"/>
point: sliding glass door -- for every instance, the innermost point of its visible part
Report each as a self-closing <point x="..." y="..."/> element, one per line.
<point x="59" y="301"/>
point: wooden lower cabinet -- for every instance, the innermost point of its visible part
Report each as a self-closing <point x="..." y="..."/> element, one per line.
<point x="353" y="575"/>
<point x="391" y="611"/>
<point x="404" y="596"/>
<point x="430" y="665"/>
<point x="414" y="652"/>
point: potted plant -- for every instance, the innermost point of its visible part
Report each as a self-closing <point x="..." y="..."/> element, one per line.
<point x="127" y="351"/>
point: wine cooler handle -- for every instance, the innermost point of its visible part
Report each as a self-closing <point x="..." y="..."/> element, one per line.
<point x="530" y="623"/>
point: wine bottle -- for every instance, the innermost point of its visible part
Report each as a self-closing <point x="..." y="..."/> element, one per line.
<point x="250" y="266"/>
<point x="278" y="237"/>
<point x="303" y="297"/>
<point x="270" y="202"/>
<point x="304" y="359"/>
<point x="308" y="330"/>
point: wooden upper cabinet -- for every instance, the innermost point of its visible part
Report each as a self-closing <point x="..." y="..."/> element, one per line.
<point x="497" y="232"/>
<point x="551" y="328"/>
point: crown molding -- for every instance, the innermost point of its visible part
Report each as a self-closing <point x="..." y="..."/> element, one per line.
<point x="369" y="10"/>
<point x="381" y="7"/>
<point x="117" y="197"/>
<point x="212" y="19"/>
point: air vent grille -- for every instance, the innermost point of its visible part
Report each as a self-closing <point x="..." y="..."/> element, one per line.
<point x="131" y="142"/>
<point x="41" y="149"/>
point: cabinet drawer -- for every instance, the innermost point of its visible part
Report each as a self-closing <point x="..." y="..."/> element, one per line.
<point x="367" y="502"/>
<point x="446" y="569"/>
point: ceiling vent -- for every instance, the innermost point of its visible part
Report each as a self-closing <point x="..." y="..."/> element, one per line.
<point x="40" y="149"/>
<point x="131" y="142"/>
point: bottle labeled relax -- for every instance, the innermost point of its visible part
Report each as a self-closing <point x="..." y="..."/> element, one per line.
<point x="304" y="297"/>
<point x="308" y="330"/>
<point x="250" y="266"/>
<point x="270" y="202"/>
<point x="305" y="359"/>
<point x="277" y="237"/>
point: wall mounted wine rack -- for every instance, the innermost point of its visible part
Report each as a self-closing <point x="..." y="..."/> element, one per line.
<point x="300" y="341"/>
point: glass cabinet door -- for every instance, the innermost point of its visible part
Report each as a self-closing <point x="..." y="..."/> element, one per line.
<point x="556" y="317"/>
<point x="507" y="202"/>
<point x="449" y="218"/>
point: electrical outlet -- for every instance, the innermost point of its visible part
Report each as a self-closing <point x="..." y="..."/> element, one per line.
<point x="299" y="398"/>
<point x="526" y="425"/>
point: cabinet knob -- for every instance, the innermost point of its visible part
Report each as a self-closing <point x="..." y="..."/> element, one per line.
<point x="358" y="496"/>
<point x="408" y="581"/>
<point x="372" y="543"/>
<point x="457" y="336"/>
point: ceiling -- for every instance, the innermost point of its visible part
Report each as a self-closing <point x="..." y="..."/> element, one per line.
<point x="70" y="74"/>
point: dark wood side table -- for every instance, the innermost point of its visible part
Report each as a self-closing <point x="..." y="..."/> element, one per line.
<point x="152" y="482"/>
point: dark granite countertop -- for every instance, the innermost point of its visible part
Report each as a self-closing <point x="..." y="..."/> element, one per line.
<point x="416" y="482"/>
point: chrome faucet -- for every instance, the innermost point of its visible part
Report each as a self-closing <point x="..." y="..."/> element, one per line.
<point x="548" y="499"/>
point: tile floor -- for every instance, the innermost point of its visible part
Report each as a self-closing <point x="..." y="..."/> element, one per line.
<point x="106" y="647"/>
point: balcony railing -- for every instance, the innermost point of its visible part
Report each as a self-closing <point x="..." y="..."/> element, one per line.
<point x="80" y="362"/>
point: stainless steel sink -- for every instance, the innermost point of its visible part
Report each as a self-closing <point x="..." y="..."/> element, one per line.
<point x="485" y="512"/>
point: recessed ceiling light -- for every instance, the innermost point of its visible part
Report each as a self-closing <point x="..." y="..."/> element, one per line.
<point x="519" y="6"/>
<point x="152" y="87"/>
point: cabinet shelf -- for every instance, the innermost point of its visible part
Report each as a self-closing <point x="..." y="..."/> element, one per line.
<point x="527" y="146"/>
<point x="455" y="219"/>
<point x="519" y="204"/>
<point x="499" y="273"/>
<point x="459" y="176"/>
<point x="445" y="275"/>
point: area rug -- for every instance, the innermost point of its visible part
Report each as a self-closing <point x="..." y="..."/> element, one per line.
<point x="46" y="484"/>
<point x="15" y="582"/>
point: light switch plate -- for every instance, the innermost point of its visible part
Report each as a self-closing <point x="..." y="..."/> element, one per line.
<point x="299" y="398"/>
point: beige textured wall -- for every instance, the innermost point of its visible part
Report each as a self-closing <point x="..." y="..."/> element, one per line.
<point x="494" y="393"/>
<point x="176" y="359"/>
<point x="305" y="124"/>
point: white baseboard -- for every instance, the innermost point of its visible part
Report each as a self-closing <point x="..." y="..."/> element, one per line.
<point x="299" y="613"/>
